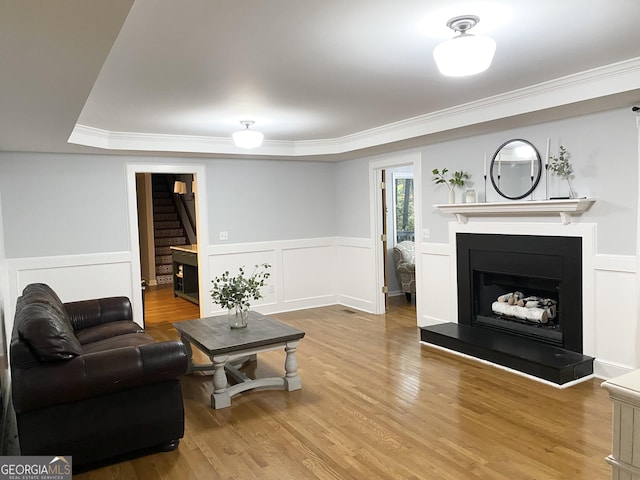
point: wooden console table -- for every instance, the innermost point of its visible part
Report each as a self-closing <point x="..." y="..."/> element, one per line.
<point x="624" y="392"/>
<point x="185" y="272"/>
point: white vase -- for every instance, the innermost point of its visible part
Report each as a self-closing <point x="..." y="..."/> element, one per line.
<point x="452" y="196"/>
<point x="238" y="317"/>
<point x="572" y="192"/>
<point x="470" y="196"/>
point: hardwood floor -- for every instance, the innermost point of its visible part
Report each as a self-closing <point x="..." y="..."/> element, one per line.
<point x="376" y="404"/>
<point x="161" y="306"/>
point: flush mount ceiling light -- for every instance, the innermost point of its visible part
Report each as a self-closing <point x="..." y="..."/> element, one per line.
<point x="465" y="54"/>
<point x="247" y="138"/>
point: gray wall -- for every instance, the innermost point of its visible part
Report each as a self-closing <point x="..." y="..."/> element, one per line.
<point x="62" y="204"/>
<point x="604" y="154"/>
<point x="76" y="204"/>
<point x="8" y="428"/>
<point x="352" y="199"/>
<point x="257" y="200"/>
<point x="73" y="204"/>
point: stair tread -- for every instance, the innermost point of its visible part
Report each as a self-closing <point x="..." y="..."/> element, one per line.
<point x="173" y="232"/>
<point x="167" y="226"/>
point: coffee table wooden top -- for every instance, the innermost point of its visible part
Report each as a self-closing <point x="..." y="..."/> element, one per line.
<point x="213" y="335"/>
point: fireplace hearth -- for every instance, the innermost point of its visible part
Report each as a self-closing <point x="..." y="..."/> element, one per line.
<point x="519" y="304"/>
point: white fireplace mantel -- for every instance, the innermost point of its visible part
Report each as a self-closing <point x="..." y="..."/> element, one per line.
<point x="565" y="208"/>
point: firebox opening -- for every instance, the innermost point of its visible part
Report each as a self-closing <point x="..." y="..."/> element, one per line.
<point x="541" y="321"/>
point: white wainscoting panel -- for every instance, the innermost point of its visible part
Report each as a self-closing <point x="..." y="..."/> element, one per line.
<point x="307" y="276"/>
<point x="315" y="272"/>
<point x="355" y="274"/>
<point x="247" y="258"/>
<point x="616" y="321"/>
<point x="301" y="273"/>
<point x="304" y="274"/>
<point x="436" y="298"/>
<point x="73" y="277"/>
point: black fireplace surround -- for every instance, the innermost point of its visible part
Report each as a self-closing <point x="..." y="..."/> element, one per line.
<point x="489" y="266"/>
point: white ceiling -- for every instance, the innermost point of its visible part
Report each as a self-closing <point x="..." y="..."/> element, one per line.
<point x="321" y="77"/>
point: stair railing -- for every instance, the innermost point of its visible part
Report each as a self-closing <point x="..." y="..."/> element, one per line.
<point x="186" y="219"/>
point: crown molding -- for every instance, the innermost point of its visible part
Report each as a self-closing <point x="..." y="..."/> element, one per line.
<point x="153" y="142"/>
<point x="598" y="82"/>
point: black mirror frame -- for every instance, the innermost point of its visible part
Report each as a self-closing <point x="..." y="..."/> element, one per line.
<point x="534" y="183"/>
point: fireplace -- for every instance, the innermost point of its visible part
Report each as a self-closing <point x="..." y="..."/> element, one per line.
<point x="490" y="267"/>
<point x="519" y="304"/>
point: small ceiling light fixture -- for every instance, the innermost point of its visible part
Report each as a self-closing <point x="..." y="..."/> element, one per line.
<point x="248" y="138"/>
<point x="465" y="54"/>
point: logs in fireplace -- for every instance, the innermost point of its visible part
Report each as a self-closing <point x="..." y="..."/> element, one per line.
<point x="498" y="275"/>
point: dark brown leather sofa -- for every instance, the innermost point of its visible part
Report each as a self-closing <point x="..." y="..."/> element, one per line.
<point x="88" y="382"/>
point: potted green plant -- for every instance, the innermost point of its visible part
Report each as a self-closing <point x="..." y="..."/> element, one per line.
<point x="458" y="179"/>
<point x="559" y="165"/>
<point x="235" y="293"/>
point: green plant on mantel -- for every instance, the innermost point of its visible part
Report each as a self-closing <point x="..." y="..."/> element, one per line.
<point x="458" y="179"/>
<point x="238" y="291"/>
<point x="559" y="165"/>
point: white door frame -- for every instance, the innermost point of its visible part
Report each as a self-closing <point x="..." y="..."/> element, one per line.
<point x="375" y="178"/>
<point x="199" y="172"/>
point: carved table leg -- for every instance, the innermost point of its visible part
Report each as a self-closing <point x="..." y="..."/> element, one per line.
<point x="220" y="397"/>
<point x="187" y="346"/>
<point x="291" y="379"/>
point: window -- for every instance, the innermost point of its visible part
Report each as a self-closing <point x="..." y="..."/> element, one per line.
<point x="403" y="207"/>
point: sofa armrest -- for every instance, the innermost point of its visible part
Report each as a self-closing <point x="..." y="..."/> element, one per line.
<point x="89" y="313"/>
<point x="96" y="374"/>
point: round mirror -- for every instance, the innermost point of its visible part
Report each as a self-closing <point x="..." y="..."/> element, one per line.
<point x="515" y="169"/>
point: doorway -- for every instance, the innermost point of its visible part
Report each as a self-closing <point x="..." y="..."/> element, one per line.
<point x="400" y="235"/>
<point x="168" y="246"/>
<point x="143" y="255"/>
<point x="384" y="221"/>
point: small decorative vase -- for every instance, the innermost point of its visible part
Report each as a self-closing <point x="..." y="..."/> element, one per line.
<point x="470" y="196"/>
<point x="238" y="317"/>
<point x="452" y="196"/>
<point x="572" y="192"/>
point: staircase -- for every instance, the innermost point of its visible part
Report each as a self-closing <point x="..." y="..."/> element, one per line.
<point x="168" y="229"/>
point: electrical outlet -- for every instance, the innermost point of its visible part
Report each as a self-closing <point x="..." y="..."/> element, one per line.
<point x="426" y="233"/>
<point x="224" y="235"/>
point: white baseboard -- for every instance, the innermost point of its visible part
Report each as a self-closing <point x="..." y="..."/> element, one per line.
<point x="426" y="321"/>
<point x="357" y="303"/>
<point x="608" y="370"/>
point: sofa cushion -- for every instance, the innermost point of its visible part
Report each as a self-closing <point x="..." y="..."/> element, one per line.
<point x="107" y="330"/>
<point x="93" y="312"/>
<point x="43" y="293"/>
<point x="119" y="341"/>
<point x="48" y="334"/>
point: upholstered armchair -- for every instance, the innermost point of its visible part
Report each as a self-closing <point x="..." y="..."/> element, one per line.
<point x="404" y="254"/>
